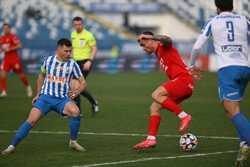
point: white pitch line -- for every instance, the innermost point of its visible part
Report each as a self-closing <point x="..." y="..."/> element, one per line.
<point x="155" y="158"/>
<point x="116" y="134"/>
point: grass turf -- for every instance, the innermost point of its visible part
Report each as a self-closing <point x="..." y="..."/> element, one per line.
<point x="124" y="102"/>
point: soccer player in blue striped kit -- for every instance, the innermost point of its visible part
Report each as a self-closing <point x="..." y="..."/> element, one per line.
<point x="54" y="93"/>
<point x="230" y="31"/>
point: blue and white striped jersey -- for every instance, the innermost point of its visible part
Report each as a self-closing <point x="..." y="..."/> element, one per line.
<point x="229" y="32"/>
<point x="58" y="75"/>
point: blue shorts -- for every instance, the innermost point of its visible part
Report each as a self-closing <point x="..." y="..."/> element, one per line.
<point x="232" y="82"/>
<point x="45" y="103"/>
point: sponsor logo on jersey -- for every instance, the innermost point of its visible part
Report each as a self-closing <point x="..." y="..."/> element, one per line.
<point x="56" y="79"/>
<point x="231" y="48"/>
<point x="67" y="69"/>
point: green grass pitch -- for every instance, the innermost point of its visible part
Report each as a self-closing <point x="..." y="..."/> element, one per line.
<point x="124" y="102"/>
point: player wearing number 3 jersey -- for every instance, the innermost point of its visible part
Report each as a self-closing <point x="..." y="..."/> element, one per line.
<point x="230" y="32"/>
<point x="171" y="93"/>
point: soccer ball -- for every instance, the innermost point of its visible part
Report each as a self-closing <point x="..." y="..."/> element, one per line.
<point x="188" y="142"/>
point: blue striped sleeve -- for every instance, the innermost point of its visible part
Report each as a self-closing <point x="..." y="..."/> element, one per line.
<point x="248" y="25"/>
<point x="43" y="67"/>
<point x="207" y="30"/>
<point x="76" y="71"/>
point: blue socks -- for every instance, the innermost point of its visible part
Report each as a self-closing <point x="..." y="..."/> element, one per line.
<point x="74" y="125"/>
<point x="242" y="126"/>
<point x="21" y="133"/>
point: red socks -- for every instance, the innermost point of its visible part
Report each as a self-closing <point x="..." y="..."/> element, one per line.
<point x="24" y="80"/>
<point x="154" y="122"/>
<point x="3" y="84"/>
<point x="171" y="106"/>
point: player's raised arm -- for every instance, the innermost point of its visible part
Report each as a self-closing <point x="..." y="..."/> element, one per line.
<point x="248" y="26"/>
<point x="165" y="40"/>
<point x="201" y="40"/>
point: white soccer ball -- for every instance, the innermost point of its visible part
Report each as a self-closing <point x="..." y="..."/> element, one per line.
<point x="188" y="142"/>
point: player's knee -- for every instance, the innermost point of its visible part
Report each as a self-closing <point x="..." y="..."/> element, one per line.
<point x="231" y="107"/>
<point x="32" y="122"/>
<point x="155" y="96"/>
<point x="75" y="112"/>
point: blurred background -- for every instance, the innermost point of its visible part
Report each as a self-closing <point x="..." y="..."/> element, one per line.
<point x="115" y="24"/>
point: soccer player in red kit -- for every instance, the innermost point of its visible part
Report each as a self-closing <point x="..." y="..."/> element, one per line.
<point x="10" y="43"/>
<point x="171" y="93"/>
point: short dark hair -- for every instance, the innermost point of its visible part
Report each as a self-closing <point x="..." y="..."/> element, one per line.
<point x="64" y="42"/>
<point x="6" y="24"/>
<point x="224" y="5"/>
<point x="77" y="18"/>
<point x="148" y="33"/>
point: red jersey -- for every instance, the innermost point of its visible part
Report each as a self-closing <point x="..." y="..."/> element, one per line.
<point x="171" y="62"/>
<point x="9" y="41"/>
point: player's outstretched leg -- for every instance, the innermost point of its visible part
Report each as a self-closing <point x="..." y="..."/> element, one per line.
<point x="74" y="124"/>
<point x="153" y="127"/>
<point x="160" y="95"/>
<point x="185" y="119"/>
<point x="23" y="130"/>
<point x="242" y="156"/>
<point x="243" y="128"/>
<point x="3" y="82"/>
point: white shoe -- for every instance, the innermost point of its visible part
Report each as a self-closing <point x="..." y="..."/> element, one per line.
<point x="3" y="94"/>
<point x="8" y="150"/>
<point x="76" y="146"/>
<point x="95" y="108"/>
<point x="29" y="91"/>
<point x="242" y="156"/>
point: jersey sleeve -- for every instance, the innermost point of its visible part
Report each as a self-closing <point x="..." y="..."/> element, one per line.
<point x="44" y="67"/>
<point x="92" y="40"/>
<point x="248" y="25"/>
<point x="204" y="36"/>
<point x="207" y="29"/>
<point x="201" y="40"/>
<point x="76" y="71"/>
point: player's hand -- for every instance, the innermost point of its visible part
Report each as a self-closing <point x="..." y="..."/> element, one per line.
<point x="73" y="94"/>
<point x="87" y="65"/>
<point x="196" y="72"/>
<point x="34" y="99"/>
<point x="5" y="49"/>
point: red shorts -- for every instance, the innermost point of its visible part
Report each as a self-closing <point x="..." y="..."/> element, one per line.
<point x="11" y="63"/>
<point x="180" y="88"/>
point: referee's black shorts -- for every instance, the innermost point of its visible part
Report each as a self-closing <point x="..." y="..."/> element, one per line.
<point x="81" y="65"/>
